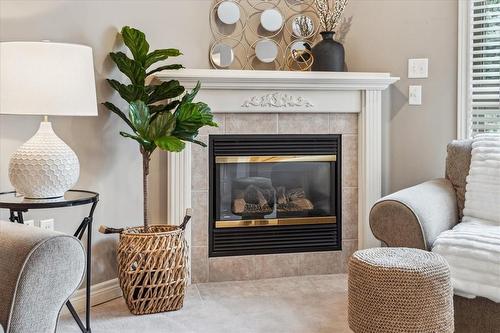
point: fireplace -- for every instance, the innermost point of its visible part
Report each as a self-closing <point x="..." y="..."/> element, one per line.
<point x="274" y="194"/>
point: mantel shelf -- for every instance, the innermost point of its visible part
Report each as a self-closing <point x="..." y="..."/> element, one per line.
<point x="281" y="80"/>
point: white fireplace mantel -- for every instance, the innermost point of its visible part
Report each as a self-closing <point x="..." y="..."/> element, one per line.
<point x="236" y="91"/>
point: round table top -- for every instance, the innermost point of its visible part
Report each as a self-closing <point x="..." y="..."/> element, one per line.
<point x="14" y="201"/>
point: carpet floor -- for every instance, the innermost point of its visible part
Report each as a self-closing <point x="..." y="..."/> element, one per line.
<point x="307" y="304"/>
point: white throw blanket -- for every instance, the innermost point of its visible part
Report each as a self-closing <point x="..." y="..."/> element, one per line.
<point x="472" y="248"/>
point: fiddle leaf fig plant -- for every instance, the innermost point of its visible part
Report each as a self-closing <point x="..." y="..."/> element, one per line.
<point x="159" y="115"/>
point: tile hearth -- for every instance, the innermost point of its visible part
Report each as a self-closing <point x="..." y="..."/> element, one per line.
<point x="252" y="267"/>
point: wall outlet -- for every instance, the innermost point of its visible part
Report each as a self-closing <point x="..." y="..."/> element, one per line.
<point x="415" y="95"/>
<point x="29" y="222"/>
<point x="418" y="68"/>
<point x="47" y="224"/>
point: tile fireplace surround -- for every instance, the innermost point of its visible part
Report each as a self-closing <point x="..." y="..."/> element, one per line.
<point x="268" y="102"/>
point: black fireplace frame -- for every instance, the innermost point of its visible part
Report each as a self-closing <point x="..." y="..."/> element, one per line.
<point x="329" y="235"/>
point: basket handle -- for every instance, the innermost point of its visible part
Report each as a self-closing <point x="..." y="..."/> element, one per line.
<point x="187" y="217"/>
<point x="108" y="230"/>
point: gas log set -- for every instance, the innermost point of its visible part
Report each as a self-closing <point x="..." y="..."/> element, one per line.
<point x="254" y="197"/>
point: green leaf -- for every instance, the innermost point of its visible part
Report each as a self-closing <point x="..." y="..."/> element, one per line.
<point x="131" y="68"/>
<point x="154" y="109"/>
<point x="136" y="42"/>
<point x="189" y="97"/>
<point x="169" y="89"/>
<point x="170" y="143"/>
<point x="195" y="114"/>
<point x="129" y="92"/>
<point x="162" y="125"/>
<point x="168" y="67"/>
<point x="190" y="117"/>
<point x="159" y="55"/>
<point x="203" y="144"/>
<point x="111" y="107"/>
<point x="149" y="146"/>
<point x="139" y="116"/>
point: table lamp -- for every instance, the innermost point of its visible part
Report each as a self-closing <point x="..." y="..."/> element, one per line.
<point x="48" y="79"/>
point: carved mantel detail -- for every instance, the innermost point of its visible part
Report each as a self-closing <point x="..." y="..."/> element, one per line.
<point x="277" y="100"/>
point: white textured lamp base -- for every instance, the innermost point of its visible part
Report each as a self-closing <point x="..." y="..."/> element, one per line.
<point x="44" y="166"/>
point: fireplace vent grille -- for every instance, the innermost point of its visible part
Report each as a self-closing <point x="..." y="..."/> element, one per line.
<point x="274" y="144"/>
<point x="275" y="240"/>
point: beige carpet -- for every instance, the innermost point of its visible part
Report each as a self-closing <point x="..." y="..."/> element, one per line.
<point x="309" y="304"/>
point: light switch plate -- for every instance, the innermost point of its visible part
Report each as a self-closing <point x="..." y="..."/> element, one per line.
<point x="47" y="224"/>
<point x="415" y="95"/>
<point x="418" y="68"/>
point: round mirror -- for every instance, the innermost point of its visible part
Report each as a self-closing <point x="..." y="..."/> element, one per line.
<point x="228" y="12"/>
<point x="302" y="26"/>
<point x="300" y="51"/>
<point x="271" y="20"/>
<point x="222" y="55"/>
<point x="266" y="50"/>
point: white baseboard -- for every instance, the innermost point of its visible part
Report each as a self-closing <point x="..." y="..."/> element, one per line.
<point x="99" y="293"/>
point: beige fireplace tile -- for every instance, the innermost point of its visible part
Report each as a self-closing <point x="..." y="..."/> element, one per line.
<point x="349" y="213"/>
<point x="252" y="123"/>
<point x="220" y="119"/>
<point x="344" y="123"/>
<point x="350" y="160"/>
<point x="199" y="165"/>
<point x="276" y="265"/>
<point x="199" y="227"/>
<point x="348" y="248"/>
<point x="199" y="264"/>
<point x="313" y="263"/>
<point x="231" y="268"/>
<point x="300" y="123"/>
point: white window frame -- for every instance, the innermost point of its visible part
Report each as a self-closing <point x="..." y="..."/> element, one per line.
<point x="463" y="78"/>
<point x="464" y="100"/>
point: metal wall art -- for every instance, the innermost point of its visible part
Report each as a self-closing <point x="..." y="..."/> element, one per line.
<point x="263" y="34"/>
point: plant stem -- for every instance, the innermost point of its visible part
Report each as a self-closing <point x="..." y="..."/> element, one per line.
<point x="146" y="156"/>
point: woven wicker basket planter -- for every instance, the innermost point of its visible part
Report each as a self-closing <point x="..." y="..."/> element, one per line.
<point x="152" y="268"/>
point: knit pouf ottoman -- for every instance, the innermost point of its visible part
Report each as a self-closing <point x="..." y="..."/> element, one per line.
<point x="399" y="290"/>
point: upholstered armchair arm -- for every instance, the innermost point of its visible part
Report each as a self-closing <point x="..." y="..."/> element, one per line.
<point x="415" y="216"/>
<point x="39" y="270"/>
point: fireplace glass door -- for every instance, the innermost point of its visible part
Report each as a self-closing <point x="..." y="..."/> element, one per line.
<point x="274" y="190"/>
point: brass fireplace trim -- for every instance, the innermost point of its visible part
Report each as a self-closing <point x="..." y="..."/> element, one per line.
<point x="275" y="158"/>
<point x="275" y="222"/>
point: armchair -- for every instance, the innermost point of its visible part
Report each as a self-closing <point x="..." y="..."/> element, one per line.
<point x="415" y="216"/>
<point x="39" y="271"/>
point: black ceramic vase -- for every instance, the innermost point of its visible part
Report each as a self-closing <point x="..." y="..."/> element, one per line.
<point x="328" y="54"/>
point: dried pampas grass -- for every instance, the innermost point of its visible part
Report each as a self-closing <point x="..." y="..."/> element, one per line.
<point x="329" y="13"/>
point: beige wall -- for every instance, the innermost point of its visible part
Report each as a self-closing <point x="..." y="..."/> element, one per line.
<point x="382" y="36"/>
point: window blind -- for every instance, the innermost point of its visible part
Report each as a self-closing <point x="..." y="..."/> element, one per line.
<point x="484" y="67"/>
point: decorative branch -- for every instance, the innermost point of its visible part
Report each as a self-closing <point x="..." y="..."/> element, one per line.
<point x="329" y="12"/>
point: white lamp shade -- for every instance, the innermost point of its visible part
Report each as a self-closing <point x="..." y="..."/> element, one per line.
<point x="44" y="78"/>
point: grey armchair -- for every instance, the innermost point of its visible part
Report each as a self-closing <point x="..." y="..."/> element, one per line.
<point x="415" y="216"/>
<point x="39" y="271"/>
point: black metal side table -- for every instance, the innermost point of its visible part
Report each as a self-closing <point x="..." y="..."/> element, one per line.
<point x="18" y="205"/>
